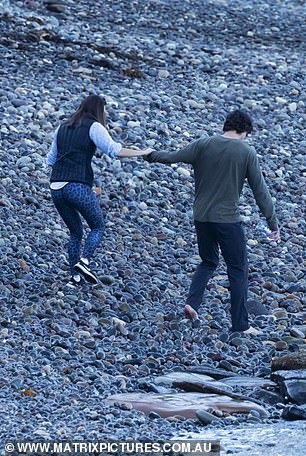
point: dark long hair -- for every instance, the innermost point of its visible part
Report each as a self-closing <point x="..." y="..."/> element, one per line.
<point x="93" y="107"/>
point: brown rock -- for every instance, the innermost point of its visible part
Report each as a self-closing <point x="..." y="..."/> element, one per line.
<point x="280" y="313"/>
<point x="281" y="345"/>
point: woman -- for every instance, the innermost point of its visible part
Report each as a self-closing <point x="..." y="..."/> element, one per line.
<point x="74" y="145"/>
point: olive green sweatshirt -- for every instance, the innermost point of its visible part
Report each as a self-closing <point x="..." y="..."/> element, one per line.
<point x="221" y="166"/>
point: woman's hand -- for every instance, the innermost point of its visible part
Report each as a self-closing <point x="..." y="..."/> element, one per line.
<point x="134" y="152"/>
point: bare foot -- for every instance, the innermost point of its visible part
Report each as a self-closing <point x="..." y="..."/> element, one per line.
<point x="190" y="313"/>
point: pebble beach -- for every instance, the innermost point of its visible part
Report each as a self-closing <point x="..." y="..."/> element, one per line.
<point x="73" y="362"/>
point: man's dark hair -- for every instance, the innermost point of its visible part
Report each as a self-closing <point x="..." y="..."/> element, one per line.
<point x="239" y="121"/>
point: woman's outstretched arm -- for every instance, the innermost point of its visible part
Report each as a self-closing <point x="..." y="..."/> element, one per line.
<point x="134" y="152"/>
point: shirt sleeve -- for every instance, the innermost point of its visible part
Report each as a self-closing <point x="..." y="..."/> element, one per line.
<point x="187" y="154"/>
<point x="103" y="141"/>
<point x="52" y="154"/>
<point x="260" y="191"/>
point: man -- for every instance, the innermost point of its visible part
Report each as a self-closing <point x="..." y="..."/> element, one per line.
<point x="221" y="164"/>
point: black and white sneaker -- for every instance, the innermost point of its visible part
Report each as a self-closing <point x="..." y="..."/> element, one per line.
<point x="74" y="281"/>
<point x="83" y="269"/>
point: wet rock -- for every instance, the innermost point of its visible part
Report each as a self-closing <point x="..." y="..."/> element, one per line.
<point x="293" y="412"/>
<point x="295" y="390"/>
<point x="249" y="382"/>
<point x="288" y="374"/>
<point x="191" y="379"/>
<point x="256" y="308"/>
<point x="215" y="373"/>
<point x="296" y="332"/>
<point x="266" y="396"/>
<point x="184" y="404"/>
<point x="292" y="384"/>
<point x="206" y="417"/>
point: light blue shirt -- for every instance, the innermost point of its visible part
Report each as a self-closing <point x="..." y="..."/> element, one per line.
<point x="99" y="136"/>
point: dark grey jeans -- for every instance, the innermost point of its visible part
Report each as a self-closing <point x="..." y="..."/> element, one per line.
<point x="230" y="239"/>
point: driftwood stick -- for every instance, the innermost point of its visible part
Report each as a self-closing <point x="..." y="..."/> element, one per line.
<point x="210" y="389"/>
<point x="289" y="362"/>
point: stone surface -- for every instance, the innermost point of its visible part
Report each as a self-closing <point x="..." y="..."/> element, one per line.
<point x="248" y="382"/>
<point x="266" y="396"/>
<point x="184" y="404"/>
<point x="215" y="373"/>
<point x="206" y="417"/>
<point x="279" y="376"/>
<point x="293" y="412"/>
<point x="295" y="390"/>
<point x="255" y="307"/>
<point x="289" y="362"/>
<point x="198" y="380"/>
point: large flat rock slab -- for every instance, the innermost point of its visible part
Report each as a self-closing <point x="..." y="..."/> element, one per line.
<point x="178" y="378"/>
<point x="184" y="404"/>
<point x="292" y="384"/>
<point x="245" y="381"/>
<point x="213" y="372"/>
<point x="282" y="375"/>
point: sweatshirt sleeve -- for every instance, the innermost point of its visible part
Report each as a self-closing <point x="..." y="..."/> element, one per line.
<point x="260" y="191"/>
<point x="186" y="155"/>
<point x="52" y="154"/>
<point x="103" y="141"/>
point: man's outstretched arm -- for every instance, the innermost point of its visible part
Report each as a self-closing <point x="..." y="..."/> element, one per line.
<point x="186" y="155"/>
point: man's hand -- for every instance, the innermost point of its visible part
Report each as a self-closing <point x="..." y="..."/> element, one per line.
<point x="147" y="151"/>
<point x="275" y="236"/>
<point x="148" y="157"/>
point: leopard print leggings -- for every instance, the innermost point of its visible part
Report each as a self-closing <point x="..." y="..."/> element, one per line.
<point x="71" y="201"/>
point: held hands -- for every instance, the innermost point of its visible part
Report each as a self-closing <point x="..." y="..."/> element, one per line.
<point x="135" y="152"/>
<point x="144" y="153"/>
<point x="147" y="156"/>
<point x="147" y="151"/>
